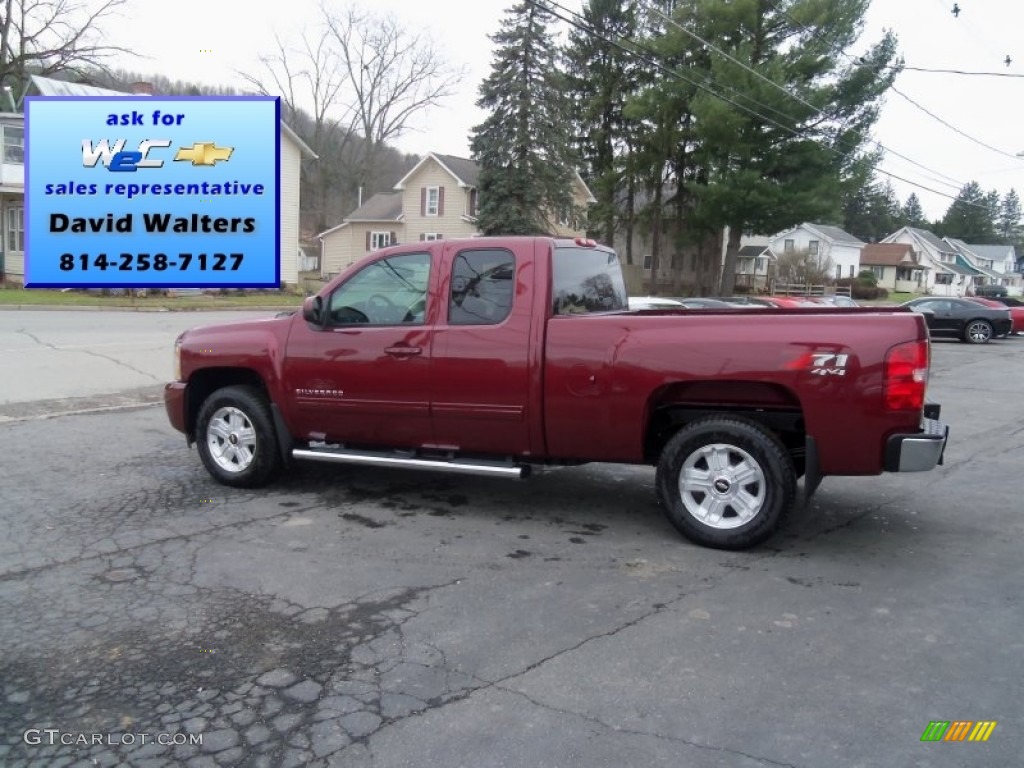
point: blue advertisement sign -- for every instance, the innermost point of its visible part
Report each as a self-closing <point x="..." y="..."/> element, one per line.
<point x="152" y="192"/>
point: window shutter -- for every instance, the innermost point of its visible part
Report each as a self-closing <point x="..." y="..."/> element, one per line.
<point x="392" y="239"/>
<point x="440" y="236"/>
<point x="440" y="201"/>
<point x="367" y="240"/>
<point x="423" y="201"/>
<point x="423" y="236"/>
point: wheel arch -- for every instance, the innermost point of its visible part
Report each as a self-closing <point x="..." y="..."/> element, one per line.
<point x="774" y="406"/>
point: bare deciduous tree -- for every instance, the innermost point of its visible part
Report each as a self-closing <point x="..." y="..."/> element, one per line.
<point x="358" y="79"/>
<point x="309" y="80"/>
<point x="44" y="37"/>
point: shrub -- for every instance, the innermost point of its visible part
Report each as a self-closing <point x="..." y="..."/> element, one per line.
<point x="867" y="277"/>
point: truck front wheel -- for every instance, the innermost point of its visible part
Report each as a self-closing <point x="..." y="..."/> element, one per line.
<point x="236" y="439"/>
<point x="726" y="482"/>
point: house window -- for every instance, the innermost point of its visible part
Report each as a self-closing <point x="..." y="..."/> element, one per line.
<point x="14" y="144"/>
<point x="379" y="240"/>
<point x="904" y="274"/>
<point x="759" y="267"/>
<point x="16" y="229"/>
<point x="812" y="247"/>
<point x="431" y="236"/>
<point x="789" y="246"/>
<point x="648" y="262"/>
<point x="472" y="203"/>
<point x="433" y="204"/>
<point x="839" y="271"/>
<point x="879" y="272"/>
<point x="944" y="278"/>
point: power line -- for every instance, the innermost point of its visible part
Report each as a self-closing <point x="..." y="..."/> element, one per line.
<point x="963" y="72"/>
<point x="893" y="88"/>
<point x="958" y="185"/>
<point x="574" y="22"/>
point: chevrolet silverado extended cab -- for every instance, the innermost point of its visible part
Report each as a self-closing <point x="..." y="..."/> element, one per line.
<point x="495" y="355"/>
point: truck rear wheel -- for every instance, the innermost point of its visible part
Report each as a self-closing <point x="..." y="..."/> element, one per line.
<point x="726" y="482"/>
<point x="236" y="439"/>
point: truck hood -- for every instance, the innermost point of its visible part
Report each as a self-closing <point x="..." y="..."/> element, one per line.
<point x="273" y="325"/>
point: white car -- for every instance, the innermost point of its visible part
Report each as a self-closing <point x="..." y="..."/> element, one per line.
<point x="654" y="302"/>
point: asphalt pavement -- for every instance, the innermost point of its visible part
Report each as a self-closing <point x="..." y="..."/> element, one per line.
<point x="369" y="617"/>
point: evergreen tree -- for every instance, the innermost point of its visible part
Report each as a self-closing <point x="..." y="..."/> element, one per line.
<point x="871" y="212"/>
<point x="524" y="145"/>
<point x="970" y="217"/>
<point x="1009" y="221"/>
<point x="800" y="115"/>
<point x="600" y="76"/>
<point x="912" y="214"/>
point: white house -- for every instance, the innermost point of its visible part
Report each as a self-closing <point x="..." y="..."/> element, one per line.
<point x="12" y="195"/>
<point x="293" y="149"/>
<point x="830" y="245"/>
<point x="944" y="276"/>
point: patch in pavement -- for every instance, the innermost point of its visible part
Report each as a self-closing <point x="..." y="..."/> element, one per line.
<point x="264" y="682"/>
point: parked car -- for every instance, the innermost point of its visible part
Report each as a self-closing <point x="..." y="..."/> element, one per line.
<point x="705" y="302"/>
<point x="755" y="301"/>
<point x="962" y="318"/>
<point x="990" y="291"/>
<point x="654" y="302"/>
<point x="838" y="301"/>
<point x="1016" y="313"/>
<point x="1010" y="301"/>
<point x="792" y="302"/>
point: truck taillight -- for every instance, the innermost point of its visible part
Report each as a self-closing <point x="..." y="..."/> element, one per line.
<point x="906" y="376"/>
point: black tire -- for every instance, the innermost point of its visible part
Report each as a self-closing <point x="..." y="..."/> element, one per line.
<point x="237" y="420"/>
<point x="742" y="445"/>
<point x="978" y="332"/>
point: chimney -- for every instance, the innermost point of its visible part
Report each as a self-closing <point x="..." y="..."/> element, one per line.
<point x="142" y="89"/>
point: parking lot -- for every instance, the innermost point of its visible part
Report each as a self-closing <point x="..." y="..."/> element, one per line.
<point x="371" y="617"/>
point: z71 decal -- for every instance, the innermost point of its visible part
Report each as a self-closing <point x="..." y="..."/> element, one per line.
<point x="828" y="365"/>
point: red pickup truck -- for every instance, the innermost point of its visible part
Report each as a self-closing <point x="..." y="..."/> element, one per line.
<point x="495" y="355"/>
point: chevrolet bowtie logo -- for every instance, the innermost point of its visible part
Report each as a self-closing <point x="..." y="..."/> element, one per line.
<point x="204" y="153"/>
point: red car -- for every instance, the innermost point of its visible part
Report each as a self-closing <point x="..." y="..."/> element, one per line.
<point x="792" y="302"/>
<point x="1016" y="313"/>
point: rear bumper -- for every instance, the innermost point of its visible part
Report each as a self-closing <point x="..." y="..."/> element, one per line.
<point x="1002" y="327"/>
<point x="175" y="401"/>
<point x="920" y="451"/>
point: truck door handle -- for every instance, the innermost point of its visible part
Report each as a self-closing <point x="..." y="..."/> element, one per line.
<point x="403" y="351"/>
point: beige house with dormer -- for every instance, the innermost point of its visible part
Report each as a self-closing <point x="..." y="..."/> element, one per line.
<point x="436" y="200"/>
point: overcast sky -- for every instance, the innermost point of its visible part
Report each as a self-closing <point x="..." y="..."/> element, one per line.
<point x="987" y="109"/>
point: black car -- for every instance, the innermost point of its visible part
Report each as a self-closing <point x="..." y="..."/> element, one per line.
<point x="704" y="302"/>
<point x="1010" y="301"/>
<point x="962" y="319"/>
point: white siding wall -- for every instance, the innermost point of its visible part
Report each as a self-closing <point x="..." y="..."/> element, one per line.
<point x="290" y="178"/>
<point x="347" y="245"/>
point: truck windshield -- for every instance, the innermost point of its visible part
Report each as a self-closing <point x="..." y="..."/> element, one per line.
<point x="587" y="280"/>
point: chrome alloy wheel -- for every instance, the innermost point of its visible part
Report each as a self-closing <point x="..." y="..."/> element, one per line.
<point x="231" y="438"/>
<point x="722" y="486"/>
<point x="979" y="332"/>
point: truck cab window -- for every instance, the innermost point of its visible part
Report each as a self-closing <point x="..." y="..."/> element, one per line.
<point x="587" y="280"/>
<point x="391" y="291"/>
<point x="483" y="285"/>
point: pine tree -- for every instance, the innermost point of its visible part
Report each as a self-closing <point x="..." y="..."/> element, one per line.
<point x="523" y="147"/>
<point x="1010" y="215"/>
<point x="912" y="214"/>
<point x="601" y="75"/>
<point x="969" y="217"/>
<point x="779" y="152"/>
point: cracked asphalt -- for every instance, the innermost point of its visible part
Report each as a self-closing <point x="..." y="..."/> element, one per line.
<point x="378" y="618"/>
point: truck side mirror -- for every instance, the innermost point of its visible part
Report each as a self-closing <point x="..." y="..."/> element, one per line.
<point x="313" y="310"/>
